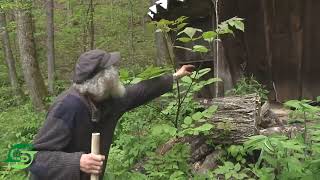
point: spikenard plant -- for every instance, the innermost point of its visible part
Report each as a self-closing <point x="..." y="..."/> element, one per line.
<point x="177" y="30"/>
<point x="186" y="116"/>
<point x="191" y="112"/>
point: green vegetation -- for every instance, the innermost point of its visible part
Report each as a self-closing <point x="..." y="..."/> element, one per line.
<point x="135" y="152"/>
<point x="249" y="85"/>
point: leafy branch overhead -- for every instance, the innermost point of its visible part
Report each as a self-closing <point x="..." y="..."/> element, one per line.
<point x="189" y="34"/>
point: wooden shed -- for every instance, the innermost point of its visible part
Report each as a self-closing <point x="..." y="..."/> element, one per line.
<point x="280" y="46"/>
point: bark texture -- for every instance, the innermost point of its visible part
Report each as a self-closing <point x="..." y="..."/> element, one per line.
<point x="236" y="118"/>
<point x="8" y="55"/>
<point x="50" y="45"/>
<point x="91" y="24"/>
<point x="30" y="66"/>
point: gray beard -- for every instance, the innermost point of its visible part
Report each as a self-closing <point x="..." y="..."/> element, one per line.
<point x="118" y="90"/>
<point x="104" y="85"/>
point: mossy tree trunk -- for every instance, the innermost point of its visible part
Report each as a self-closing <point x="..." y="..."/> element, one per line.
<point x="50" y="45"/>
<point x="30" y="66"/>
<point x="8" y="55"/>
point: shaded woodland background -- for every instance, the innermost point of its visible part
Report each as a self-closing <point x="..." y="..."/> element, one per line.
<point x="279" y="46"/>
<point x="78" y="27"/>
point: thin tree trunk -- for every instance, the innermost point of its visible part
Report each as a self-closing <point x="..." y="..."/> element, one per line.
<point x="50" y="45"/>
<point x="161" y="51"/>
<point x="30" y="66"/>
<point x="131" y="32"/>
<point x="9" y="56"/>
<point x="69" y="11"/>
<point x="91" y="24"/>
<point x="84" y="28"/>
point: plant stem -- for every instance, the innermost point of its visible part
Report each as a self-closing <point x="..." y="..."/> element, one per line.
<point x="305" y="132"/>
<point x="169" y="46"/>
<point x="305" y="127"/>
<point x="193" y="80"/>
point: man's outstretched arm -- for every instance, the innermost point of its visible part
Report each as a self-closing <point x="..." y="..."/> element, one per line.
<point x="148" y="90"/>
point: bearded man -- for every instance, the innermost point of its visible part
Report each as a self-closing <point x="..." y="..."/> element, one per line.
<point x="94" y="103"/>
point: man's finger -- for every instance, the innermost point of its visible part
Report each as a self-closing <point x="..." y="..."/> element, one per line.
<point x="95" y="168"/>
<point x="96" y="163"/>
<point x="189" y="67"/>
<point x="97" y="157"/>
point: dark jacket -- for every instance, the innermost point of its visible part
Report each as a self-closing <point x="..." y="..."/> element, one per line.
<point x="66" y="133"/>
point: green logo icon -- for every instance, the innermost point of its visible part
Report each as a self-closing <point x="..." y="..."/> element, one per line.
<point x="20" y="156"/>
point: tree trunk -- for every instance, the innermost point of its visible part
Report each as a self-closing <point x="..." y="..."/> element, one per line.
<point x="9" y="56"/>
<point x="162" y="53"/>
<point x="69" y="11"/>
<point x="50" y="45"/>
<point x="30" y="66"/>
<point x="91" y="24"/>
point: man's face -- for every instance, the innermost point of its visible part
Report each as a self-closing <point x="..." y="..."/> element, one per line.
<point x="103" y="85"/>
<point x="107" y="84"/>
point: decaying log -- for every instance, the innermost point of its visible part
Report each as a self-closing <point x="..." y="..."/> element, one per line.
<point x="289" y="131"/>
<point x="210" y="162"/>
<point x="268" y="118"/>
<point x="234" y="122"/>
<point x="236" y="118"/>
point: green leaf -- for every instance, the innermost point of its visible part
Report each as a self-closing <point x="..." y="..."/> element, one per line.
<point x="200" y="48"/>
<point x="212" y="80"/>
<point x="152" y="71"/>
<point x="186" y="79"/>
<point x="184" y="39"/>
<point x="237" y="167"/>
<point x="180" y="20"/>
<point x="209" y="36"/>
<point x="223" y="28"/>
<point x="205" y="127"/>
<point x="201" y="73"/>
<point x="180" y="26"/>
<point x="124" y="74"/>
<point x="188" y="120"/>
<point x="318" y="99"/>
<point x="227" y="175"/>
<point x="163" y="22"/>
<point x="239" y="25"/>
<point x="293" y="104"/>
<point x="190" y="31"/>
<point x="197" y="116"/>
<point x="212" y="109"/>
<point x="184" y="126"/>
<point x="236" y="23"/>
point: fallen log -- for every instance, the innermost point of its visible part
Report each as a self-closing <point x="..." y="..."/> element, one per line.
<point x="237" y="118"/>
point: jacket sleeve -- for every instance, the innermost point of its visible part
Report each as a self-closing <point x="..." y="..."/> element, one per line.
<point x="147" y="90"/>
<point x="50" y="162"/>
